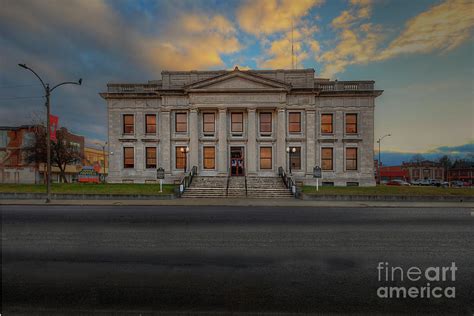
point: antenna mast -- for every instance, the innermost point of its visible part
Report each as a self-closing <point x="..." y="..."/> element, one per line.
<point x="292" y="47"/>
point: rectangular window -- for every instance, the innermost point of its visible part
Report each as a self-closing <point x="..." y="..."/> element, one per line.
<point x="326" y="158"/>
<point x="208" y="126"/>
<point x="351" y="158"/>
<point x="128" y="124"/>
<point x="128" y="157"/>
<point x="209" y="154"/>
<point x="351" y="123"/>
<point x="180" y="157"/>
<point x="295" y="158"/>
<point x="150" y="157"/>
<point x="150" y="124"/>
<point x="237" y="122"/>
<point x="181" y="122"/>
<point x="326" y="124"/>
<point x="265" y="157"/>
<point x="265" y="123"/>
<point x="294" y="122"/>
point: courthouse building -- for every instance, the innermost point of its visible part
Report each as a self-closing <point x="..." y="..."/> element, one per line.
<point x="242" y="123"/>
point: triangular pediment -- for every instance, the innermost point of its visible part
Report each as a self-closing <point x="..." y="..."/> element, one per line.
<point x="236" y="81"/>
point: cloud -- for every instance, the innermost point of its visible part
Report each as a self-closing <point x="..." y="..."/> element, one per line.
<point x="266" y="17"/>
<point x="442" y="28"/>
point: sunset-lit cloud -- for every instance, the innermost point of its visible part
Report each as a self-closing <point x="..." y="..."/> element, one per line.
<point x="270" y="16"/>
<point x="441" y="28"/>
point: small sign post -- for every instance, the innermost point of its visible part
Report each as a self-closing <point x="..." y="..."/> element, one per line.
<point x="160" y="174"/>
<point x="317" y="174"/>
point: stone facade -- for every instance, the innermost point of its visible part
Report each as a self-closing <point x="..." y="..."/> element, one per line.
<point x="280" y="97"/>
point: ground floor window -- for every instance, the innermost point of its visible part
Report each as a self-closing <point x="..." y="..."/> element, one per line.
<point x="265" y="157"/>
<point x="180" y="157"/>
<point x="150" y="153"/>
<point x="128" y="157"/>
<point x="327" y="158"/>
<point x="352" y="184"/>
<point x="295" y="158"/>
<point x="209" y="154"/>
<point x="351" y="158"/>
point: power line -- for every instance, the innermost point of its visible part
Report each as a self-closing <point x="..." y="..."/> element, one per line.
<point x="16" y="98"/>
<point x="20" y="85"/>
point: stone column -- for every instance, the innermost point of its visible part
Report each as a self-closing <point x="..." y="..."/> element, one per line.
<point x="338" y="125"/>
<point x="280" y="150"/>
<point x="164" y="156"/>
<point x="193" y="139"/>
<point x="251" y="143"/>
<point x="222" y="148"/>
<point x="310" y="141"/>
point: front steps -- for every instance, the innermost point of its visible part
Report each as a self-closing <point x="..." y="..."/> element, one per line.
<point x="267" y="187"/>
<point x="206" y="187"/>
<point x="237" y="187"/>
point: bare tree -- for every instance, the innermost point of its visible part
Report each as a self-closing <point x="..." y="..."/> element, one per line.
<point x="417" y="158"/>
<point x="63" y="151"/>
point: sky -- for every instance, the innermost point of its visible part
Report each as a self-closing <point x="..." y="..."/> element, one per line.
<point x="420" y="53"/>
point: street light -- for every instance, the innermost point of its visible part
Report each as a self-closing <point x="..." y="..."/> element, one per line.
<point x="185" y="151"/>
<point x="290" y="151"/>
<point x="380" y="162"/>
<point x="48" y="91"/>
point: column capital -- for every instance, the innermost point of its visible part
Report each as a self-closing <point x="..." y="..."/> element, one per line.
<point x="251" y="109"/>
<point x="222" y="109"/>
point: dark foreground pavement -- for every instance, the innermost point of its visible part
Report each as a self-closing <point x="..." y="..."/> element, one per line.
<point x="80" y="260"/>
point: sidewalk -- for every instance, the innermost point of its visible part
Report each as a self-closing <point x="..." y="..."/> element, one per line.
<point x="246" y="202"/>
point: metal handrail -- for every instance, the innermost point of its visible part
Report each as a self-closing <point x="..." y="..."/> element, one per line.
<point x="186" y="180"/>
<point x="288" y="181"/>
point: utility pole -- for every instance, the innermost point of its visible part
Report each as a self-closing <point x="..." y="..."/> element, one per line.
<point x="48" y="91"/>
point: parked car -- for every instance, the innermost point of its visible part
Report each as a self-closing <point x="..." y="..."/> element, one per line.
<point x="416" y="182"/>
<point x="398" y="183"/>
<point x="457" y="184"/>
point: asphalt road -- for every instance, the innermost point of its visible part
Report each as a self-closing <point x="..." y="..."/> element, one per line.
<point x="90" y="259"/>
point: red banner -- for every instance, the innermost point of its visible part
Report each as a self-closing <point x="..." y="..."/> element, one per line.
<point x="53" y="123"/>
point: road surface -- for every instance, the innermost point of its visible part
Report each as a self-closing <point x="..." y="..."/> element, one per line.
<point x="139" y="259"/>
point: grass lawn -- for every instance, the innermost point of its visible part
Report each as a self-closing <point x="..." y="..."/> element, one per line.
<point x="389" y="190"/>
<point x="89" y="188"/>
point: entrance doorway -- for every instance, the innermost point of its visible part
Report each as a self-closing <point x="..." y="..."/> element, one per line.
<point x="237" y="161"/>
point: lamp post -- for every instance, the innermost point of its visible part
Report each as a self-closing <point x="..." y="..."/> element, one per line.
<point x="48" y="91"/>
<point x="290" y="151"/>
<point x="185" y="150"/>
<point x="380" y="162"/>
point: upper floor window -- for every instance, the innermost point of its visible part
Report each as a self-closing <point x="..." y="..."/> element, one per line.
<point x="326" y="124"/>
<point x="351" y="123"/>
<point x="266" y="123"/>
<point x="326" y="158"/>
<point x="209" y="126"/>
<point x="181" y="122"/>
<point x="128" y="157"/>
<point x="150" y="157"/>
<point x="351" y="158"/>
<point x="128" y="124"/>
<point x="237" y="122"/>
<point x="294" y="122"/>
<point x="150" y="123"/>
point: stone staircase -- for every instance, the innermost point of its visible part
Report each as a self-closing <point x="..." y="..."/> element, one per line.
<point x="206" y="187"/>
<point x="236" y="187"/>
<point x="267" y="188"/>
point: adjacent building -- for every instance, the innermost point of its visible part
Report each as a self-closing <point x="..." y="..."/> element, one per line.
<point x="14" y="165"/>
<point x="242" y="123"/>
<point x="423" y="170"/>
